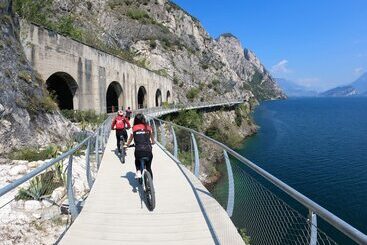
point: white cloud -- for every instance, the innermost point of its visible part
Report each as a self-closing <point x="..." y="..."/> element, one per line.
<point x="358" y="71"/>
<point x="280" y="68"/>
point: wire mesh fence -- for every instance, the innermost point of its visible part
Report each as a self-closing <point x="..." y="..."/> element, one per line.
<point x="262" y="212"/>
<point x="43" y="197"/>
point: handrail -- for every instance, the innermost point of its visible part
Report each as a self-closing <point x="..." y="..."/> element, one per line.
<point x="48" y="164"/>
<point x="332" y="219"/>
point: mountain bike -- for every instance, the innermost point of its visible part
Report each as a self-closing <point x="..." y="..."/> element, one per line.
<point x="146" y="182"/>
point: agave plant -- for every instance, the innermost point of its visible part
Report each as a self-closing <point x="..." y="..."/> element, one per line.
<point x="40" y="186"/>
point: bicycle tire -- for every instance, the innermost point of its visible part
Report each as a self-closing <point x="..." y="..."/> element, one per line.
<point x="149" y="191"/>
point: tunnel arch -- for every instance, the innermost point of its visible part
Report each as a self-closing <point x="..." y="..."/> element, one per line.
<point x="142" y="97"/>
<point x="158" y="98"/>
<point x="168" y="96"/>
<point x="63" y="88"/>
<point x="114" y="97"/>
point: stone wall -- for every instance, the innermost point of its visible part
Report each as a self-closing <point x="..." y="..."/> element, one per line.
<point x="93" y="70"/>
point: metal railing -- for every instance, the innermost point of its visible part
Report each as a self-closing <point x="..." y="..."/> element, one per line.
<point x="270" y="211"/>
<point x="34" y="200"/>
<point x="171" y="108"/>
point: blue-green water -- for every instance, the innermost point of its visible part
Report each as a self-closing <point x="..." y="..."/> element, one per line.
<point x="319" y="147"/>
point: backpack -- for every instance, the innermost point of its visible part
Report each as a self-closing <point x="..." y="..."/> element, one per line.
<point x="120" y="123"/>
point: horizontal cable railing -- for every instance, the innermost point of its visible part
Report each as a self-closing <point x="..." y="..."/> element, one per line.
<point x="30" y="205"/>
<point x="264" y="209"/>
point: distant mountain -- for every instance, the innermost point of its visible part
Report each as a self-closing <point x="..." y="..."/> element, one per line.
<point x="291" y="89"/>
<point x="340" y="92"/>
<point x="357" y="88"/>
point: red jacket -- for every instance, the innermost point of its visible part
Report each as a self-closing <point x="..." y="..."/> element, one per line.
<point x="120" y="122"/>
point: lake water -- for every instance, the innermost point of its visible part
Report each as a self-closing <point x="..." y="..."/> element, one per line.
<point x="319" y="147"/>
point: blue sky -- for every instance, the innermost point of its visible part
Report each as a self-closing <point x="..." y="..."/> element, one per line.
<point x="320" y="44"/>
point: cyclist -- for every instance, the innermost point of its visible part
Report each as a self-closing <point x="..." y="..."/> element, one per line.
<point x="143" y="138"/>
<point x="120" y="123"/>
<point x="128" y="113"/>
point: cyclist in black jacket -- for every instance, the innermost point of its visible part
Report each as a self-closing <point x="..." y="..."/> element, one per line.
<point x="143" y="138"/>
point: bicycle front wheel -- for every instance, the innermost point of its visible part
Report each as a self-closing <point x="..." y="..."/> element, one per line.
<point x="149" y="191"/>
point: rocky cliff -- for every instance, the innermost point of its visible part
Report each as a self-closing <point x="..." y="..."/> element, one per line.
<point x="28" y="115"/>
<point x="162" y="37"/>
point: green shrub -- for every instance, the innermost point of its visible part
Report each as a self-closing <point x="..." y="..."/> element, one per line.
<point x="67" y="27"/>
<point x="190" y="119"/>
<point x="25" y="76"/>
<point x="204" y="66"/>
<point x="192" y="93"/>
<point x="152" y="44"/>
<point x="34" y="154"/>
<point x="215" y="82"/>
<point x="89" y="117"/>
<point x="244" y="235"/>
<point x="137" y="14"/>
<point x="175" y="80"/>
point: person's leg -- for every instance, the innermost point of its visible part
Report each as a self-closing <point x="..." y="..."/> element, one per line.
<point x="137" y="164"/>
<point x="148" y="165"/>
<point x="118" y="135"/>
<point x="124" y="134"/>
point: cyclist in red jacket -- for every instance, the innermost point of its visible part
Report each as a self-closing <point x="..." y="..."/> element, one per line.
<point x="120" y="123"/>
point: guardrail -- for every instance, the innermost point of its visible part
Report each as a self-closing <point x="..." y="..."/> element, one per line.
<point x="63" y="182"/>
<point x="253" y="198"/>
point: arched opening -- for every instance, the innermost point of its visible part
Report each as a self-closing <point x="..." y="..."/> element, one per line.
<point x="158" y="98"/>
<point x="142" y="100"/>
<point x="113" y="97"/>
<point x="62" y="87"/>
<point x="168" y="97"/>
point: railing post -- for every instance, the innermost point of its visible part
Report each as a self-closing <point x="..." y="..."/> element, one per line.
<point x="70" y="192"/>
<point x="87" y="166"/>
<point x="230" y="201"/>
<point x="155" y="131"/>
<point x="313" y="227"/>
<point x="175" y="148"/>
<point x="96" y="148"/>
<point x="196" y="156"/>
<point x="163" y="134"/>
<point x="102" y="138"/>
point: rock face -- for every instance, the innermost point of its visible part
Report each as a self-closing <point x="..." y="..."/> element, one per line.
<point x="28" y="115"/>
<point x="161" y="36"/>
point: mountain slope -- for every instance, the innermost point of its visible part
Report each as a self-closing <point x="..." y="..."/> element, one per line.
<point x="292" y="89"/>
<point x="356" y="88"/>
<point x="28" y="116"/>
<point x="162" y="37"/>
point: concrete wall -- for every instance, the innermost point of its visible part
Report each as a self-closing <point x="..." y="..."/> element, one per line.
<point x="92" y="69"/>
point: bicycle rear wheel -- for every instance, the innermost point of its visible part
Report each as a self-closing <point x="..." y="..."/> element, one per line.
<point x="149" y="191"/>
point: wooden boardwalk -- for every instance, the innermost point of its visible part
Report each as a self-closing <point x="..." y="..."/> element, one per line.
<point x="115" y="211"/>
